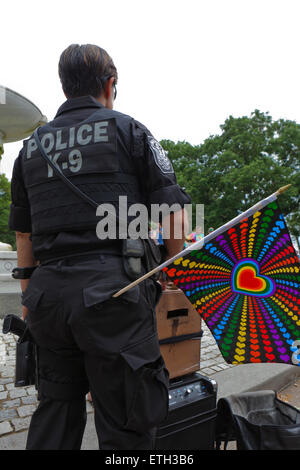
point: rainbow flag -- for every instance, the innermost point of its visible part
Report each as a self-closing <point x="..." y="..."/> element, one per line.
<point x="244" y="281"/>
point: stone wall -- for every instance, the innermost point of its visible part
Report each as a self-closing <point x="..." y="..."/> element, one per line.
<point x="10" y="290"/>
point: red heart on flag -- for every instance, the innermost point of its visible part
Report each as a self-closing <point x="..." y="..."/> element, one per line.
<point x="255" y="353"/>
<point x="270" y="356"/>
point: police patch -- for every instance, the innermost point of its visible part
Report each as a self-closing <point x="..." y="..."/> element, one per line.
<point x="160" y="156"/>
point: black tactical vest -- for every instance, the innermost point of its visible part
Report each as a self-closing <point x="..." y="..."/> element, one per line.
<point x="95" y="155"/>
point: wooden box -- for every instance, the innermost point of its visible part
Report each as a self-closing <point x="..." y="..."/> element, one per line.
<point x="178" y="320"/>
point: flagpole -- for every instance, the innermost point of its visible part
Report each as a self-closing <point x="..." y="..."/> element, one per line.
<point x="200" y="243"/>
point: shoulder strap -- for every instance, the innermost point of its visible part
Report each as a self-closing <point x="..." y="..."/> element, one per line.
<point x="59" y="173"/>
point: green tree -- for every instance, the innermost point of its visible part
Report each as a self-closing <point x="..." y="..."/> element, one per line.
<point x="251" y="158"/>
<point x="6" y="235"/>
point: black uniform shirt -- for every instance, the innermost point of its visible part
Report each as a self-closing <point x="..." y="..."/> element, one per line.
<point x="154" y="170"/>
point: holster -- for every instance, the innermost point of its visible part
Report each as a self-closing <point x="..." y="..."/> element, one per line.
<point x="26" y="363"/>
<point x="26" y="351"/>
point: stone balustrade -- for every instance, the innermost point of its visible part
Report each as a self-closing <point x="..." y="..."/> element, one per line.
<point x="10" y="290"/>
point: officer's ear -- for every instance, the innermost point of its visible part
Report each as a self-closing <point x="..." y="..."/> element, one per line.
<point x="109" y="92"/>
<point x="108" y="88"/>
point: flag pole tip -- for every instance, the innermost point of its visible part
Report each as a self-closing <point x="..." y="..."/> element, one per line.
<point x="284" y="188"/>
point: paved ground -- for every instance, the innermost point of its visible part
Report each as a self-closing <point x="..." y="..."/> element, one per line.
<point x="291" y="394"/>
<point x="18" y="404"/>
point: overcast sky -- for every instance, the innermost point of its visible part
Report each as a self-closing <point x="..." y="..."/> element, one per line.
<point x="184" y="66"/>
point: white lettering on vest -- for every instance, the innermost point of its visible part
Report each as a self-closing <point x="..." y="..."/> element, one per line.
<point x="59" y="144"/>
<point x="72" y="137"/>
<point x="31" y="147"/>
<point x="54" y="160"/>
<point x="49" y="138"/>
<point x="75" y="160"/>
<point x="100" y="132"/>
<point x="85" y="128"/>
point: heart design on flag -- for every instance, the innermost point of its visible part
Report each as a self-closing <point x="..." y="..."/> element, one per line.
<point x="246" y="279"/>
<point x="239" y="358"/>
<point x="253" y="258"/>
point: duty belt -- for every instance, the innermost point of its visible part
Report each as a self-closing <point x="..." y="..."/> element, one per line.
<point x="115" y="251"/>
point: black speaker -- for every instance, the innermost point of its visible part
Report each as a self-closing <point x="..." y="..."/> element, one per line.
<point x="192" y="415"/>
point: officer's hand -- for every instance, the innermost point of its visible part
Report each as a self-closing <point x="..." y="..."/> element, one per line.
<point x="24" y="312"/>
<point x="163" y="280"/>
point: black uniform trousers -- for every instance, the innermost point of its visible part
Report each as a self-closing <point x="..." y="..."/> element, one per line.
<point x="89" y="341"/>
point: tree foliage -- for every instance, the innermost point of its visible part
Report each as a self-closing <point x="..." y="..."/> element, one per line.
<point x="251" y="158"/>
<point x="6" y="235"/>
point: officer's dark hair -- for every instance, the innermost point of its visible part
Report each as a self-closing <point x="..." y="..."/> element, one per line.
<point x="83" y="70"/>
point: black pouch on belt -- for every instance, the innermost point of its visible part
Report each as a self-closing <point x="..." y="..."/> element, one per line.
<point x="133" y="251"/>
<point x="154" y="256"/>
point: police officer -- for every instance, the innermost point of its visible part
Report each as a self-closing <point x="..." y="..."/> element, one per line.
<point x="88" y="340"/>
